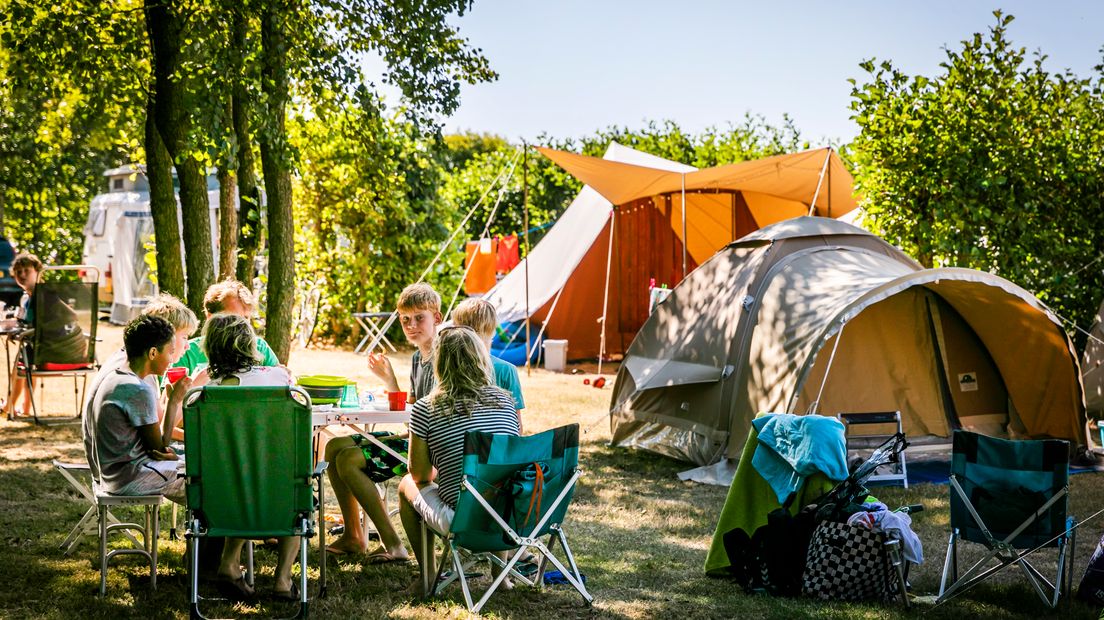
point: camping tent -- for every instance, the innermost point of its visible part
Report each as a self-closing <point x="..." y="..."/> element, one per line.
<point x="756" y="329"/>
<point x="1092" y="366"/>
<point x="593" y="268"/>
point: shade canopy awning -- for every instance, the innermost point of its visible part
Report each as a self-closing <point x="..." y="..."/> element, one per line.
<point x="793" y="177"/>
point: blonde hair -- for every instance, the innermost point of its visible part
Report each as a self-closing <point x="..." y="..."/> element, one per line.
<point x="217" y="294"/>
<point x="478" y="314"/>
<point x="420" y="296"/>
<point x="230" y="345"/>
<point x="174" y="311"/>
<point x="462" y="368"/>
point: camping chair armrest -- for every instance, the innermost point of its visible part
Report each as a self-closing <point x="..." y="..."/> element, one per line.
<point x="319" y="469"/>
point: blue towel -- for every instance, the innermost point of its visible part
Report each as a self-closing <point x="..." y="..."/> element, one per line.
<point x="792" y="447"/>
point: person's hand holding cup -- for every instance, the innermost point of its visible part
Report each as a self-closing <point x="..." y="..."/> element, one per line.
<point x="396" y="401"/>
<point x="176" y="373"/>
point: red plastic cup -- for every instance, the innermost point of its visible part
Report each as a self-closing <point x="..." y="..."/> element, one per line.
<point x="396" y="400"/>
<point x="176" y="373"/>
<point x="599" y="382"/>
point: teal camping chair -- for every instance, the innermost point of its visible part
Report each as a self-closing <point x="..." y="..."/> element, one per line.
<point x="1010" y="496"/>
<point x="515" y="491"/>
<point x="250" y="473"/>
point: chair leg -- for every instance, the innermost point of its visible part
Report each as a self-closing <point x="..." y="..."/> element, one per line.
<point x="249" y="575"/>
<point x="428" y="568"/>
<point x="102" y="510"/>
<point x="303" y="604"/>
<point x="949" y="567"/>
<point x="154" y="535"/>
<point x="193" y="569"/>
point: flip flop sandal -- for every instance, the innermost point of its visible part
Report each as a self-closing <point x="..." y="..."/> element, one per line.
<point x="235" y="589"/>
<point x="291" y="595"/>
<point x="384" y="557"/>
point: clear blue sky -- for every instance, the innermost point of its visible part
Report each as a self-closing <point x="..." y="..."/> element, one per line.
<point x="570" y="67"/>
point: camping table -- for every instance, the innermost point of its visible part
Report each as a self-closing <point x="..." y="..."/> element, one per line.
<point x="361" y="419"/>
<point x="372" y="323"/>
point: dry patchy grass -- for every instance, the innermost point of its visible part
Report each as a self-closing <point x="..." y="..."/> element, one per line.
<point x="639" y="534"/>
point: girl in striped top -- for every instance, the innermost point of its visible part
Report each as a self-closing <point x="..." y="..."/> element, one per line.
<point x="464" y="399"/>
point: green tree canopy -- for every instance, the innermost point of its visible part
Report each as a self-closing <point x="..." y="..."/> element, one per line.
<point x="995" y="164"/>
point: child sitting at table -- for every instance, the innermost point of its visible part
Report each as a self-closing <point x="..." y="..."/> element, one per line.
<point x="231" y="349"/>
<point x="464" y="400"/>
<point x="480" y="315"/>
<point x="123" y="441"/>
<point x="356" y="463"/>
<point x="232" y="297"/>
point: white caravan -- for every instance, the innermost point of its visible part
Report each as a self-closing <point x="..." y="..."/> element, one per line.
<point x="118" y="238"/>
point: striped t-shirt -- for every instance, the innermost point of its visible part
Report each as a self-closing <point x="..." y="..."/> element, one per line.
<point x="443" y="430"/>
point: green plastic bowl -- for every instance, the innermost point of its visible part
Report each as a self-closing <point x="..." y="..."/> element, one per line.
<point x="324" y="389"/>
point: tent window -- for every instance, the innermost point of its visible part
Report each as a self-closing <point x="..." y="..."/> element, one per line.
<point x="97" y="222"/>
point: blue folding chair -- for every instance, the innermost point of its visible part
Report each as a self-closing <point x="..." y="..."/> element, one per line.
<point x="515" y="491"/>
<point x="1011" y="497"/>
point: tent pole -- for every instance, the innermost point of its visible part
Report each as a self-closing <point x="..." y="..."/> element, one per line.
<point x="827" y="369"/>
<point x="684" y="240"/>
<point x="820" y="179"/>
<point x="525" y="219"/>
<point x="605" y="297"/>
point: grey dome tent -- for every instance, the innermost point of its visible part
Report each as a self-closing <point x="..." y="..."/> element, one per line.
<point x="754" y="328"/>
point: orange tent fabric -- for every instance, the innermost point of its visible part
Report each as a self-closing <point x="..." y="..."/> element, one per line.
<point x="790" y="181"/>
<point x="481" y="268"/>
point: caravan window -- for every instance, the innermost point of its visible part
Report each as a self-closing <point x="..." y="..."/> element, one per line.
<point x="97" y="221"/>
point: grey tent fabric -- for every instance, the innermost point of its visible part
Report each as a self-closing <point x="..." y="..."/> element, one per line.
<point x="763" y="315"/>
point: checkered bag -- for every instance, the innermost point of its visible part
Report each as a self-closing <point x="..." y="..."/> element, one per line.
<point x="847" y="563"/>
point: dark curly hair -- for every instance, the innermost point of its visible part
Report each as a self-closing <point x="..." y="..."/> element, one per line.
<point x="146" y="332"/>
<point x="230" y="344"/>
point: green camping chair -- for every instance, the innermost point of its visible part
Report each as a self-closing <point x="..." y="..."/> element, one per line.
<point x="250" y="473"/>
<point x="1010" y="496"/>
<point x="515" y="490"/>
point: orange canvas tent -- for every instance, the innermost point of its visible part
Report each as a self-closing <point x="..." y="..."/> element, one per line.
<point x="641" y="218"/>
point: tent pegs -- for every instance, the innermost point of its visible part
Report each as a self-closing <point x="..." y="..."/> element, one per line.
<point x="820" y="180"/>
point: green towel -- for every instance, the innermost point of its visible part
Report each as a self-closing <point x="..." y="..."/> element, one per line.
<point x="750" y="500"/>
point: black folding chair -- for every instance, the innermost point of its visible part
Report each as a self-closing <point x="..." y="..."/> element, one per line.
<point x="63" y="338"/>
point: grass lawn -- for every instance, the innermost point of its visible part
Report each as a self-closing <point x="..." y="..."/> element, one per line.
<point x="639" y="534"/>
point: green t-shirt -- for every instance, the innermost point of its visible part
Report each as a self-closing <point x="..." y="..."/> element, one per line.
<point x="195" y="357"/>
<point x="506" y="377"/>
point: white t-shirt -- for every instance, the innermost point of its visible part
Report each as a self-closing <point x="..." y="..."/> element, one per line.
<point x="259" y="376"/>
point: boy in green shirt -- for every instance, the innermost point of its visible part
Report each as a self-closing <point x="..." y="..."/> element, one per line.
<point x="227" y="296"/>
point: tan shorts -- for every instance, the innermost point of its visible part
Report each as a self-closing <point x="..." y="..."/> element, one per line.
<point x="433" y="510"/>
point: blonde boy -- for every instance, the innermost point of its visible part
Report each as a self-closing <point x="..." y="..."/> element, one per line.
<point x="419" y="310"/>
<point x="480" y="315"/>
<point x="350" y="458"/>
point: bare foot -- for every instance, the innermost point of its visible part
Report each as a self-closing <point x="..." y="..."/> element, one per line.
<point x="346" y="545"/>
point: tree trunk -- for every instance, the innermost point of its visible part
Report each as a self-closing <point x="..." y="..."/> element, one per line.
<point x="249" y="193"/>
<point x="166" y="220"/>
<point x="276" y="167"/>
<point x="228" y="224"/>
<point x="174" y="123"/>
